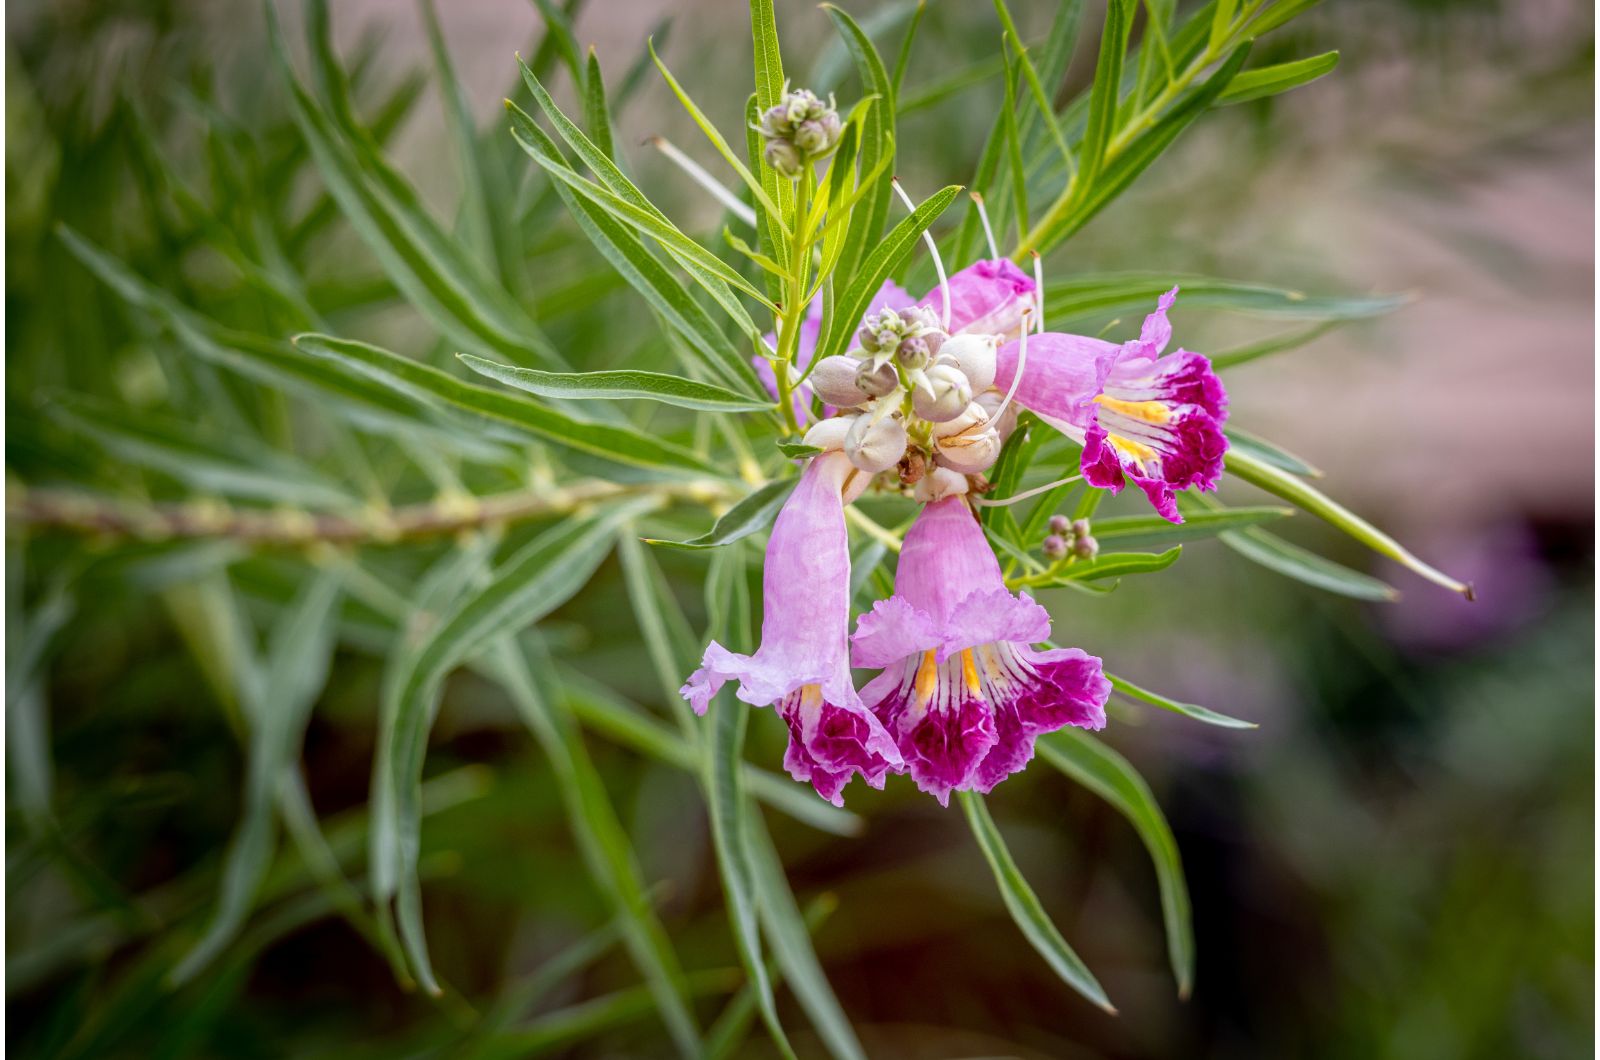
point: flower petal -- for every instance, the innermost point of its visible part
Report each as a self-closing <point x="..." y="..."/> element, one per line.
<point x="987" y="298"/>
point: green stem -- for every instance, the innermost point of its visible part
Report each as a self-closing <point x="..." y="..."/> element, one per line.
<point x="794" y="309"/>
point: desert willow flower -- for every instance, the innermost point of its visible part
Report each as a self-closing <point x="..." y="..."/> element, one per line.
<point x="962" y="690"/>
<point x="802" y="667"/>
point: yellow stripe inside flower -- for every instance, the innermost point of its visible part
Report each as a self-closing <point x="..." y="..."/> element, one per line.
<point x="1144" y="411"/>
<point x="927" y="680"/>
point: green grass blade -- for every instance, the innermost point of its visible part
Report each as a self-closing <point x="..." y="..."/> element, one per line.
<point x="1097" y="297"/>
<point x="1146" y="530"/>
<point x="596" y="114"/>
<point x="1024" y="906"/>
<point x="1106" y="773"/>
<point x="476" y="220"/>
<point x="1270" y="452"/>
<point x="877" y="147"/>
<point x="1103" y="96"/>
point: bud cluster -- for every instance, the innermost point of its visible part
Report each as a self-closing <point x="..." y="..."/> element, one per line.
<point x="909" y="384"/>
<point x="799" y="129"/>
<point x="1069" y="537"/>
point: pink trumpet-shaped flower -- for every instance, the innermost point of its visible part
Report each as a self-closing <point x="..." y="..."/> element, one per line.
<point x="962" y="691"/>
<point x="1158" y="420"/>
<point x="802" y="666"/>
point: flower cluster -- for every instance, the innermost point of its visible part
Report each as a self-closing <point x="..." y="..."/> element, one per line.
<point x="961" y="692"/>
<point x="799" y="129"/>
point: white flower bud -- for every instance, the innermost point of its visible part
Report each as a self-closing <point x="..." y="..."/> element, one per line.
<point x="943" y="394"/>
<point x="990" y="401"/>
<point x="834" y="381"/>
<point x="974" y="355"/>
<point x="876" y="381"/>
<point x="782" y="156"/>
<point x="971" y="419"/>
<point x="876" y="445"/>
<point x="938" y="484"/>
<point x="829" y="434"/>
<point x="969" y="453"/>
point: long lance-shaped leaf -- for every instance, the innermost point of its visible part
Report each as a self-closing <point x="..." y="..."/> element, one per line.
<point x="1146" y="530"/>
<point x="728" y="601"/>
<point x="1278" y="78"/>
<point x="751" y="515"/>
<point x="358" y="398"/>
<point x="203" y="459"/>
<point x="877" y="145"/>
<point x="769" y="89"/>
<point x="1303" y="495"/>
<point x="716" y="276"/>
<point x="476" y="223"/>
<point x="601" y="838"/>
<point x="603" y="711"/>
<point x="302" y="647"/>
<point x="1138" y="155"/>
<point x="1188" y="710"/>
<point x="1095" y="297"/>
<point x="446" y="284"/>
<point x="1024" y="906"/>
<point x="1041" y="98"/>
<point x="708" y="270"/>
<point x="847" y="313"/>
<point x="1103" y="95"/>
<point x="624" y="445"/>
<point x="534" y="581"/>
<point x="1110" y="776"/>
<point x="790" y="939"/>
<point x="1270" y="452"/>
<point x="617" y="385"/>
<point x="626" y="252"/>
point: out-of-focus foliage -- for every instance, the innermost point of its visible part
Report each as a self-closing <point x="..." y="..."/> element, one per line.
<point x="342" y="716"/>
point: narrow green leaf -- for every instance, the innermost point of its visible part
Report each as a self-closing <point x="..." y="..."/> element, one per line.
<point x="752" y="514"/>
<point x="447" y="285"/>
<point x="602" y="840"/>
<point x="626" y="253"/>
<point x="616" y="385"/>
<point x="877" y="146"/>
<point x="1276" y="15"/>
<point x="1278" y="78"/>
<point x="596" y="115"/>
<point x="798" y="450"/>
<point x="1270" y="452"/>
<point x="1188" y="710"/>
<point x="852" y="304"/>
<point x="1147" y="530"/>
<point x="621" y="444"/>
<point x="1303" y="495"/>
<point x="1024" y="906"/>
<point x="1302" y="565"/>
<point x="1008" y="128"/>
<point x="1266" y="347"/>
<point x="1106" y="773"/>
<point x="296" y="667"/>
<point x="790" y="939"/>
<point x="204" y="459"/>
<point x="769" y="58"/>
<point x="476" y="220"/>
<point x="1101" y="296"/>
<point x="530" y="584"/>
<point x="1103" y="96"/>
<point x="903" y="60"/>
<point x="728" y="602"/>
<point x="1041" y="98"/>
<point x="1117" y="564"/>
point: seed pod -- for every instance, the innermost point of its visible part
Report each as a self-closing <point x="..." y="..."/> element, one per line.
<point x="943" y="394"/>
<point x="834" y="381"/>
<point x="877" y="381"/>
<point x="876" y="445"/>
<point x="974" y="355"/>
<point x="939" y="483"/>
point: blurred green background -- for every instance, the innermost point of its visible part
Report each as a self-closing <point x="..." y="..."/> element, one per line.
<point x="1399" y="862"/>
